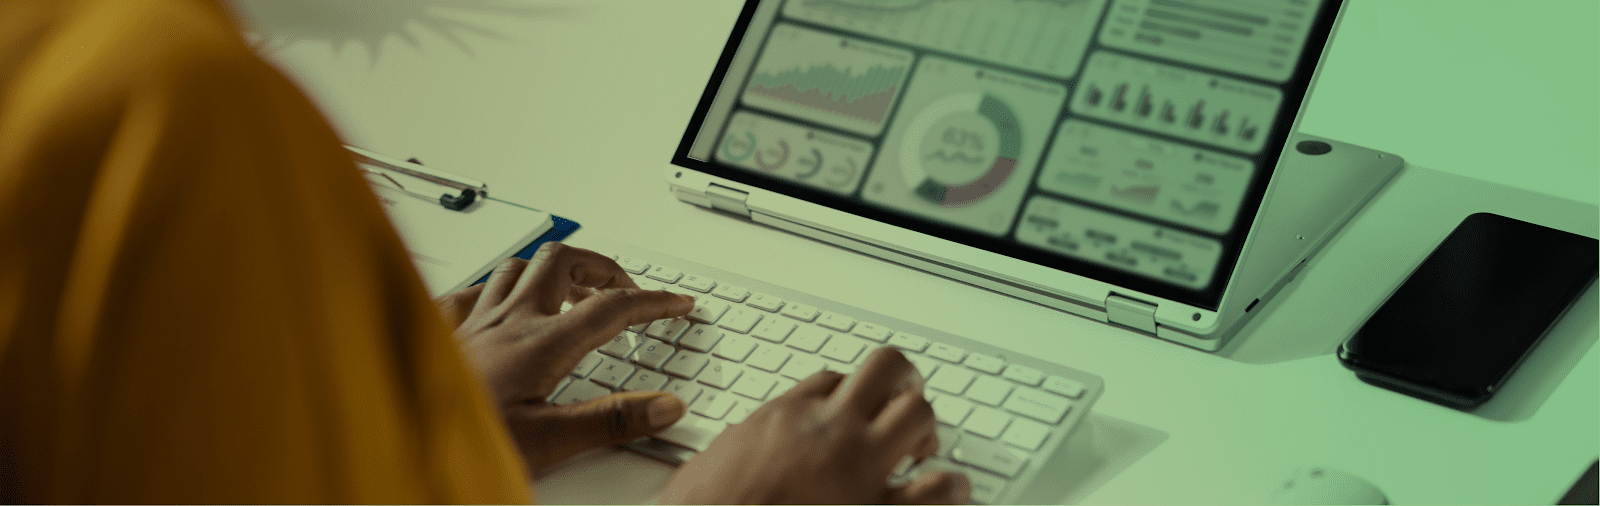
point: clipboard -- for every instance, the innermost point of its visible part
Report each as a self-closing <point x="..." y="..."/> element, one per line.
<point x="454" y="232"/>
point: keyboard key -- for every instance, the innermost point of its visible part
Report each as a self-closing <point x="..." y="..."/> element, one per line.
<point x="844" y="349"/>
<point x="620" y="345"/>
<point x="739" y="413"/>
<point x="730" y="292"/>
<point x="632" y="265"/>
<point x="765" y="302"/>
<point x="649" y="284"/>
<point x="1044" y="407"/>
<point x="653" y="354"/>
<point x="801" y="367"/>
<point x="1026" y="434"/>
<point x="740" y="319"/>
<point x="836" y="321"/>
<point x="949" y="436"/>
<point x="783" y="386"/>
<point x="989" y="390"/>
<point x="612" y="372"/>
<point x="873" y="331"/>
<point x="697" y="283"/>
<point x="700" y="337"/>
<point x="754" y="385"/>
<point x="985" y="363"/>
<point x="667" y="330"/>
<point x="986" y="422"/>
<point x="579" y="391"/>
<point x="774" y="329"/>
<point x="586" y="365"/>
<point x="946" y="353"/>
<point x="1063" y="386"/>
<point x="646" y="380"/>
<point x="990" y="456"/>
<point x="664" y="274"/>
<point x="708" y="310"/>
<point x="951" y="379"/>
<point x="712" y="404"/>
<point x="686" y="390"/>
<point x="693" y="432"/>
<point x="1024" y="375"/>
<point x="925" y="365"/>
<point x="986" y="487"/>
<point x="908" y="342"/>
<point x="809" y="339"/>
<point x="720" y="374"/>
<point x="639" y="328"/>
<point x="800" y="311"/>
<point x="735" y="348"/>
<point x="557" y="390"/>
<point x="951" y="410"/>
<point x="686" y="364"/>
<point x="768" y="358"/>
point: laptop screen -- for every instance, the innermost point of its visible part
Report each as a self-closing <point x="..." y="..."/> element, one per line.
<point x="1129" y="141"/>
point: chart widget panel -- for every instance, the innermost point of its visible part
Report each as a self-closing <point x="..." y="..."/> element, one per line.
<point x="1043" y="36"/>
<point x="1256" y="38"/>
<point x="1198" y="106"/>
<point x="794" y="152"/>
<point x="964" y="145"/>
<point x="1174" y="182"/>
<point x="839" y="81"/>
<point x="1129" y="245"/>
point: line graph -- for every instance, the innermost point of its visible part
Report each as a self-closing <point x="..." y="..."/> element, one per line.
<point x="844" y="82"/>
<point x="1044" y="36"/>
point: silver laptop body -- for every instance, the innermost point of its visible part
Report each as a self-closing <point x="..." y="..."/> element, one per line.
<point x="941" y="134"/>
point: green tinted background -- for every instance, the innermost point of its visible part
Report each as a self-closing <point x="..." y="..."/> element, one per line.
<point x="1405" y="75"/>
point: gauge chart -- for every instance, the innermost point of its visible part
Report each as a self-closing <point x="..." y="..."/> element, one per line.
<point x="1043" y="36"/>
<point x="964" y="144"/>
<point x="794" y="152"/>
<point x="829" y="79"/>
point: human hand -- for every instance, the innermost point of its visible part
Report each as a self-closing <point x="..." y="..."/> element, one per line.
<point x="829" y="439"/>
<point x="514" y="331"/>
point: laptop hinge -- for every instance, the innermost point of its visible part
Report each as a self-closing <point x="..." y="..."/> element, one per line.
<point x="1131" y="313"/>
<point x="728" y="200"/>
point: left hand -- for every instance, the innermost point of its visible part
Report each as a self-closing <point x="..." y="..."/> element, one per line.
<point x="514" y="331"/>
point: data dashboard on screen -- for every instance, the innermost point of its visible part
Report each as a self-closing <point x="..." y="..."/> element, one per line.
<point x="1124" y="139"/>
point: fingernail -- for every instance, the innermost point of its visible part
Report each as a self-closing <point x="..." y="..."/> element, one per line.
<point x="664" y="411"/>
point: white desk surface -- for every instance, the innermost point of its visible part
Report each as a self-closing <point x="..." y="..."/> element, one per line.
<point x="576" y="106"/>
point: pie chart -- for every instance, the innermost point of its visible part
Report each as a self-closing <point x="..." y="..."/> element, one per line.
<point x="960" y="149"/>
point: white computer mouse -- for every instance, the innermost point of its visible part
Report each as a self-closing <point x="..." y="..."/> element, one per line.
<point x="1321" y="485"/>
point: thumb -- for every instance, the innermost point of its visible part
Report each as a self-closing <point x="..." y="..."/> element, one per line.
<point x="621" y="417"/>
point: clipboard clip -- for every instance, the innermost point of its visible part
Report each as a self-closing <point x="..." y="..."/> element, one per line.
<point x="467" y="190"/>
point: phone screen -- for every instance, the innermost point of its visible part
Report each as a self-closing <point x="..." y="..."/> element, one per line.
<point x="1463" y="321"/>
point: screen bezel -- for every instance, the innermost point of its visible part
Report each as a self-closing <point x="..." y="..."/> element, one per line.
<point x="1294" y="90"/>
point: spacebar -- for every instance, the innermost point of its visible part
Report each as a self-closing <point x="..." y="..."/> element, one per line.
<point x="693" y="431"/>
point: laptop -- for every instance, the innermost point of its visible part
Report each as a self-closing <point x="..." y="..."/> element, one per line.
<point x="1135" y="162"/>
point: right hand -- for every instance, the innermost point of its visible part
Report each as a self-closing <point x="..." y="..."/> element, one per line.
<point x="830" y="439"/>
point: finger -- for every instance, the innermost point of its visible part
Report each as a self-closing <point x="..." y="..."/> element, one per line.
<point x="501" y="281"/>
<point x="938" y="487"/>
<point x="904" y="427"/>
<point x="820" y="384"/>
<point x="613" y="419"/>
<point x="885" y="374"/>
<point x="456" y="307"/>
<point x="558" y="268"/>
<point x="601" y="316"/>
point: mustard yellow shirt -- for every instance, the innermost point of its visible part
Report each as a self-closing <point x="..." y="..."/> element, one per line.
<point x="200" y="300"/>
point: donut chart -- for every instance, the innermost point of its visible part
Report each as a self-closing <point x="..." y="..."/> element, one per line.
<point x="960" y="149"/>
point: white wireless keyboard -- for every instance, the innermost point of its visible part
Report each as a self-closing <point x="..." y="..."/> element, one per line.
<point x="1000" y="413"/>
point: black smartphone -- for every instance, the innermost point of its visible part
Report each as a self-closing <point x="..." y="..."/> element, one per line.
<point x="1466" y="318"/>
